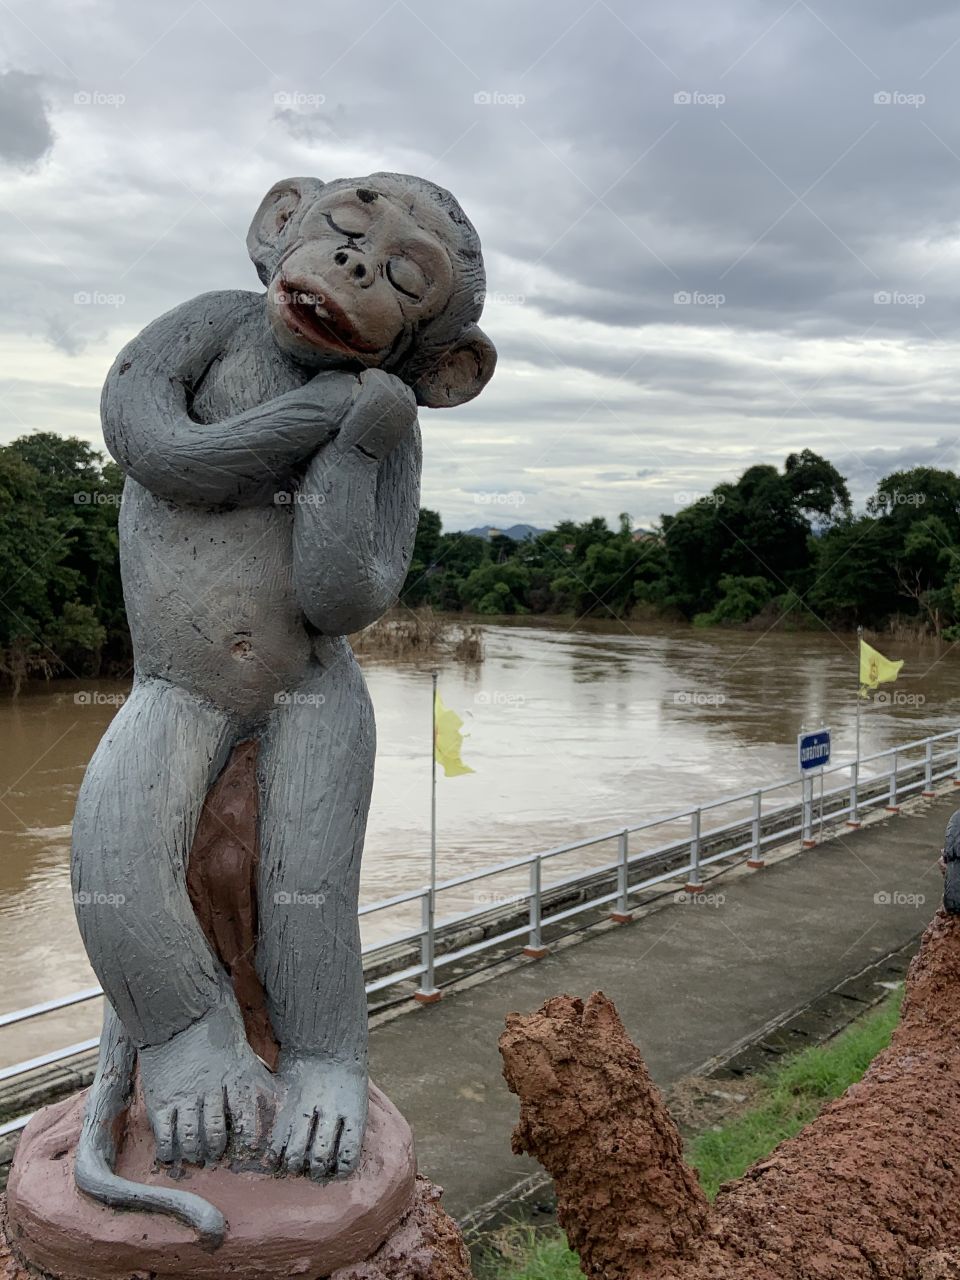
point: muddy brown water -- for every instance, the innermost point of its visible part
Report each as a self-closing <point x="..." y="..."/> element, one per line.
<point x="571" y="732"/>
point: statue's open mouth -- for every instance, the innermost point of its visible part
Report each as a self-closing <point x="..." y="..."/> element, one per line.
<point x="320" y="320"/>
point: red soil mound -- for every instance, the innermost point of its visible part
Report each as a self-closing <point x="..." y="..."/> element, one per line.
<point x="870" y="1189"/>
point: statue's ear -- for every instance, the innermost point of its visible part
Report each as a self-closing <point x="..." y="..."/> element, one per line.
<point x="275" y="223"/>
<point x="460" y="373"/>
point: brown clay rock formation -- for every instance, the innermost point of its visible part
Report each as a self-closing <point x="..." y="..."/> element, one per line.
<point x="593" y="1117"/>
<point x="870" y="1189"/>
<point x="942" y="1265"/>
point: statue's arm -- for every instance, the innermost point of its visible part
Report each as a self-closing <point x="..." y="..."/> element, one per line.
<point x="145" y="409"/>
<point x="356" y="513"/>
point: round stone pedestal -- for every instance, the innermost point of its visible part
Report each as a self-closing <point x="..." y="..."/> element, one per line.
<point x="277" y="1226"/>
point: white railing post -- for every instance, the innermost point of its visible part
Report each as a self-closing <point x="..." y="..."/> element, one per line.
<point x="428" y="991"/>
<point x="853" y="810"/>
<point x="694" y="884"/>
<point x="622" y="914"/>
<point x="928" y="790"/>
<point x="806" y="807"/>
<point x="535" y="948"/>
<point x="756" y="848"/>
<point x="892" y="805"/>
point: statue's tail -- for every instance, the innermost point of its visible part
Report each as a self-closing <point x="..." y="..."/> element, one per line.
<point x="96" y="1156"/>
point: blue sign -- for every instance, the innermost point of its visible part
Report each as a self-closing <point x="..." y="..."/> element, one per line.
<point x="813" y="749"/>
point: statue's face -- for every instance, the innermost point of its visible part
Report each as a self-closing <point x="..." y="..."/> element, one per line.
<point x="363" y="273"/>
<point x="383" y="271"/>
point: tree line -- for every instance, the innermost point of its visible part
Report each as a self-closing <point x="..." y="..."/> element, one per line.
<point x="778" y="545"/>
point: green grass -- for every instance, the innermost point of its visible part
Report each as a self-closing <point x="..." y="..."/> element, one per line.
<point x="791" y="1095"/>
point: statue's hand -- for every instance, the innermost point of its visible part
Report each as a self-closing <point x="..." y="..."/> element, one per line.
<point x="383" y="413"/>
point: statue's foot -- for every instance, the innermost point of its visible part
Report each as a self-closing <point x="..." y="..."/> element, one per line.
<point x="319" y="1125"/>
<point x="205" y="1090"/>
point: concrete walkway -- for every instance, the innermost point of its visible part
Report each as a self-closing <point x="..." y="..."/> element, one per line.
<point x="691" y="982"/>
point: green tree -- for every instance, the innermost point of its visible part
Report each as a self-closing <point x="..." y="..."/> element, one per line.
<point x="62" y="605"/>
<point x="496" y="588"/>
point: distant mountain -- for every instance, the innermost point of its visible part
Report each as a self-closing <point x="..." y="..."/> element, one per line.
<point x="518" y="532"/>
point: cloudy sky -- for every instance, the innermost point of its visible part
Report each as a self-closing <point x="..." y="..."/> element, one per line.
<point x="714" y="233"/>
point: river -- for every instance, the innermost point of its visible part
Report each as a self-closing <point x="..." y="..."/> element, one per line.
<point x="570" y="732"/>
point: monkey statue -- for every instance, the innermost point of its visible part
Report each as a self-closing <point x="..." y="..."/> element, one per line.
<point x="272" y="460"/>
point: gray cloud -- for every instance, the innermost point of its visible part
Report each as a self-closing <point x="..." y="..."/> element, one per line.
<point x="25" y="132"/>
<point x="677" y="287"/>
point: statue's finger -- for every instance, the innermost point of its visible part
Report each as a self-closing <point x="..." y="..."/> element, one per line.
<point x="295" y="1156"/>
<point x="242" y="1105"/>
<point x="188" y="1132"/>
<point x="277" y="1143"/>
<point x="326" y="1142"/>
<point x="164" y="1128"/>
<point x="214" y="1139"/>
<point x="348" y="1153"/>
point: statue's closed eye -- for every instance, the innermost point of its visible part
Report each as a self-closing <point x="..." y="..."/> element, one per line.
<point x="351" y="235"/>
<point x="406" y="277"/>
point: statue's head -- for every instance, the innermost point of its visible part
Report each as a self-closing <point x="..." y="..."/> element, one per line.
<point x="377" y="272"/>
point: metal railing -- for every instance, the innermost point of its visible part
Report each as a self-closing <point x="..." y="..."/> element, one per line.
<point x="676" y="848"/>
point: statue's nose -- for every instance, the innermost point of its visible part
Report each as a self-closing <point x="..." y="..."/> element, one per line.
<point x="354" y="267"/>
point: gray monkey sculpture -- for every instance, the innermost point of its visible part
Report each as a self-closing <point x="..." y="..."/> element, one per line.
<point x="272" y="455"/>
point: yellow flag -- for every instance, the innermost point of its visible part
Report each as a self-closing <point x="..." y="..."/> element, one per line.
<point x="447" y="740"/>
<point x="875" y="669"/>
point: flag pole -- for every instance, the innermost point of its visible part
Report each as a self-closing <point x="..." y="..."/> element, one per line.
<point x="859" y="699"/>
<point x="428" y="991"/>
<point x="433" y="797"/>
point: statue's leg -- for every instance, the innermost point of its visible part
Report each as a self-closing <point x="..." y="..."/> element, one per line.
<point x="316" y="764"/>
<point x="135" y="819"/>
